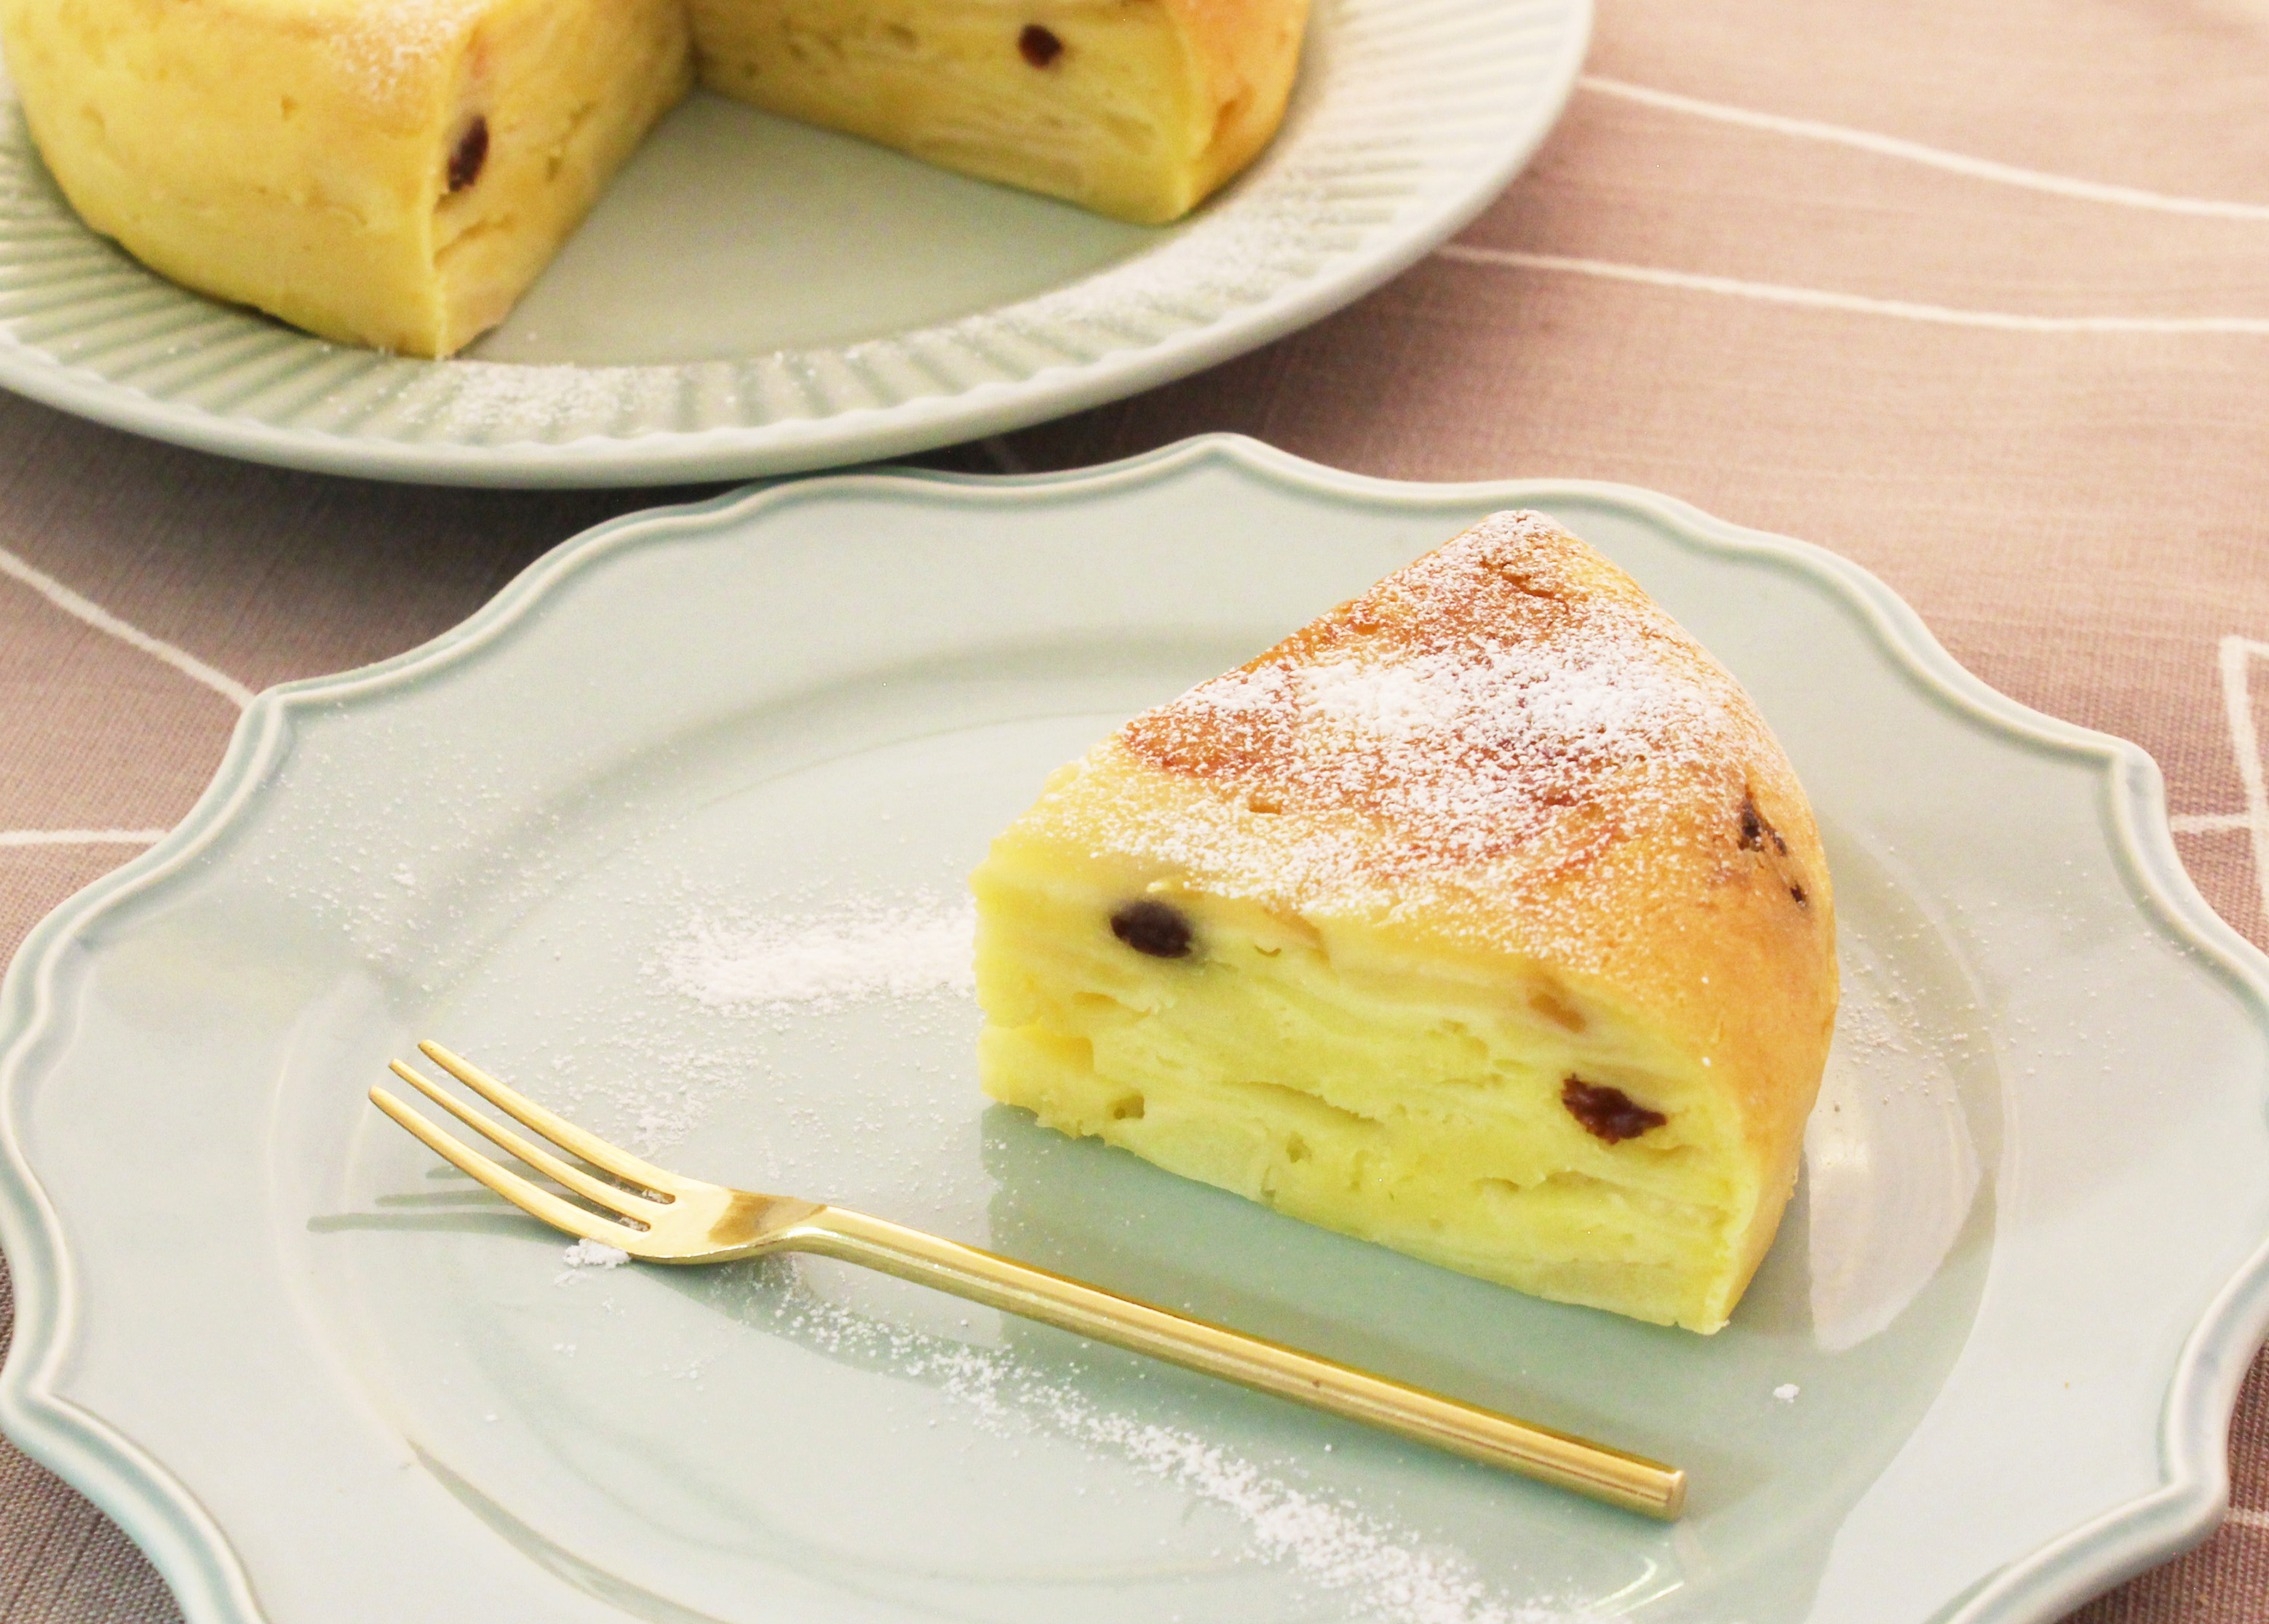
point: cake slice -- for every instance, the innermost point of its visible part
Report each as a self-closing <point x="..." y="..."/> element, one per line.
<point x="1135" y="108"/>
<point x="391" y="174"/>
<point x="1483" y="918"/>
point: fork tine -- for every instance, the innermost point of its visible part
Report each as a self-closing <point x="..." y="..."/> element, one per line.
<point x="540" y="1203"/>
<point x="557" y="1129"/>
<point x="614" y="1197"/>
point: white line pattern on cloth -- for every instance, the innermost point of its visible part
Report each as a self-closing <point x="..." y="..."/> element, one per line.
<point x="1915" y="152"/>
<point x="2245" y="1516"/>
<point x="81" y="836"/>
<point x="2234" y="657"/>
<point x="2208" y="822"/>
<point x="1821" y="298"/>
<point x="102" y="620"/>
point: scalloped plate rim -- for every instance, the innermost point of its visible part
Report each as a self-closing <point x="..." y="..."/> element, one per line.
<point x="192" y="1554"/>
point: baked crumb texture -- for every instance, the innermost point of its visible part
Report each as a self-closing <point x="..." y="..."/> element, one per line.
<point x="1482" y="919"/>
<point x="395" y="172"/>
<point x="1134" y="108"/>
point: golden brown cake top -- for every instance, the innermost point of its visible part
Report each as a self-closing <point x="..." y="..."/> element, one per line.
<point x="1491" y="743"/>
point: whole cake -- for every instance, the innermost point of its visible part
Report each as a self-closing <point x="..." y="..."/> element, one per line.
<point x="395" y="172"/>
<point x="1483" y="918"/>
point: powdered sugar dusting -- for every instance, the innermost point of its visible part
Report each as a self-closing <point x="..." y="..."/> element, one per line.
<point x="1337" y="1548"/>
<point x="1463" y="702"/>
<point x="1392" y="1574"/>
<point x="1592" y="696"/>
<point x="860" y="949"/>
<point x="385" y="46"/>
<point x="587" y="1255"/>
<point x="487" y="400"/>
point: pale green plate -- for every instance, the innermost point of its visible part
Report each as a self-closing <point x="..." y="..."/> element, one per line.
<point x="752" y="296"/>
<point x="320" y="1379"/>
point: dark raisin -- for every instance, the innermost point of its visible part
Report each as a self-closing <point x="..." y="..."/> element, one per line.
<point x="1798" y="892"/>
<point x="1608" y="1113"/>
<point x="1040" y="46"/>
<point x="1154" y="928"/>
<point x="470" y="155"/>
<point x="1756" y="831"/>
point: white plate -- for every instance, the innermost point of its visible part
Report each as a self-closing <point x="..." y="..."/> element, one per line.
<point x="754" y="297"/>
<point x="320" y="1378"/>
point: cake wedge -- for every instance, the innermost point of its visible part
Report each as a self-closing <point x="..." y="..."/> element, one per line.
<point x="1483" y="918"/>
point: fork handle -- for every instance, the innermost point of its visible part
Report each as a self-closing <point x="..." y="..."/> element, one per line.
<point x="1623" y="1479"/>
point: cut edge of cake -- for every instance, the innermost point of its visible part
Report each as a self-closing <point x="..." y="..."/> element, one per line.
<point x="393" y="179"/>
<point x="1139" y="109"/>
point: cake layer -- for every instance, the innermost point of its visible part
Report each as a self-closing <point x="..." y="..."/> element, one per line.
<point x="392" y="175"/>
<point x="1135" y="108"/>
<point x="1411" y="1108"/>
<point x="1482" y="919"/>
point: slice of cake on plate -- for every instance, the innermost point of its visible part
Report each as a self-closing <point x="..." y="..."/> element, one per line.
<point x="1483" y="918"/>
<point x="389" y="173"/>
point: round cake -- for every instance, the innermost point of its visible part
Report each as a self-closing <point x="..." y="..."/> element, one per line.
<point x="395" y="172"/>
<point x="1483" y="918"/>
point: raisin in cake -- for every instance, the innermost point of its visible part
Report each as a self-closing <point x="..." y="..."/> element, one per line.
<point x="1135" y="108"/>
<point x="1482" y="918"/>
<point x="389" y="173"/>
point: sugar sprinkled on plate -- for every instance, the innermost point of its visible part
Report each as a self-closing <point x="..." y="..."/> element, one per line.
<point x="1392" y="1573"/>
<point x="587" y="1255"/>
<point x="853" y="950"/>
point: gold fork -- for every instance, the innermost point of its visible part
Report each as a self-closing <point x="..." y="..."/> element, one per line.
<point x="667" y="1218"/>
